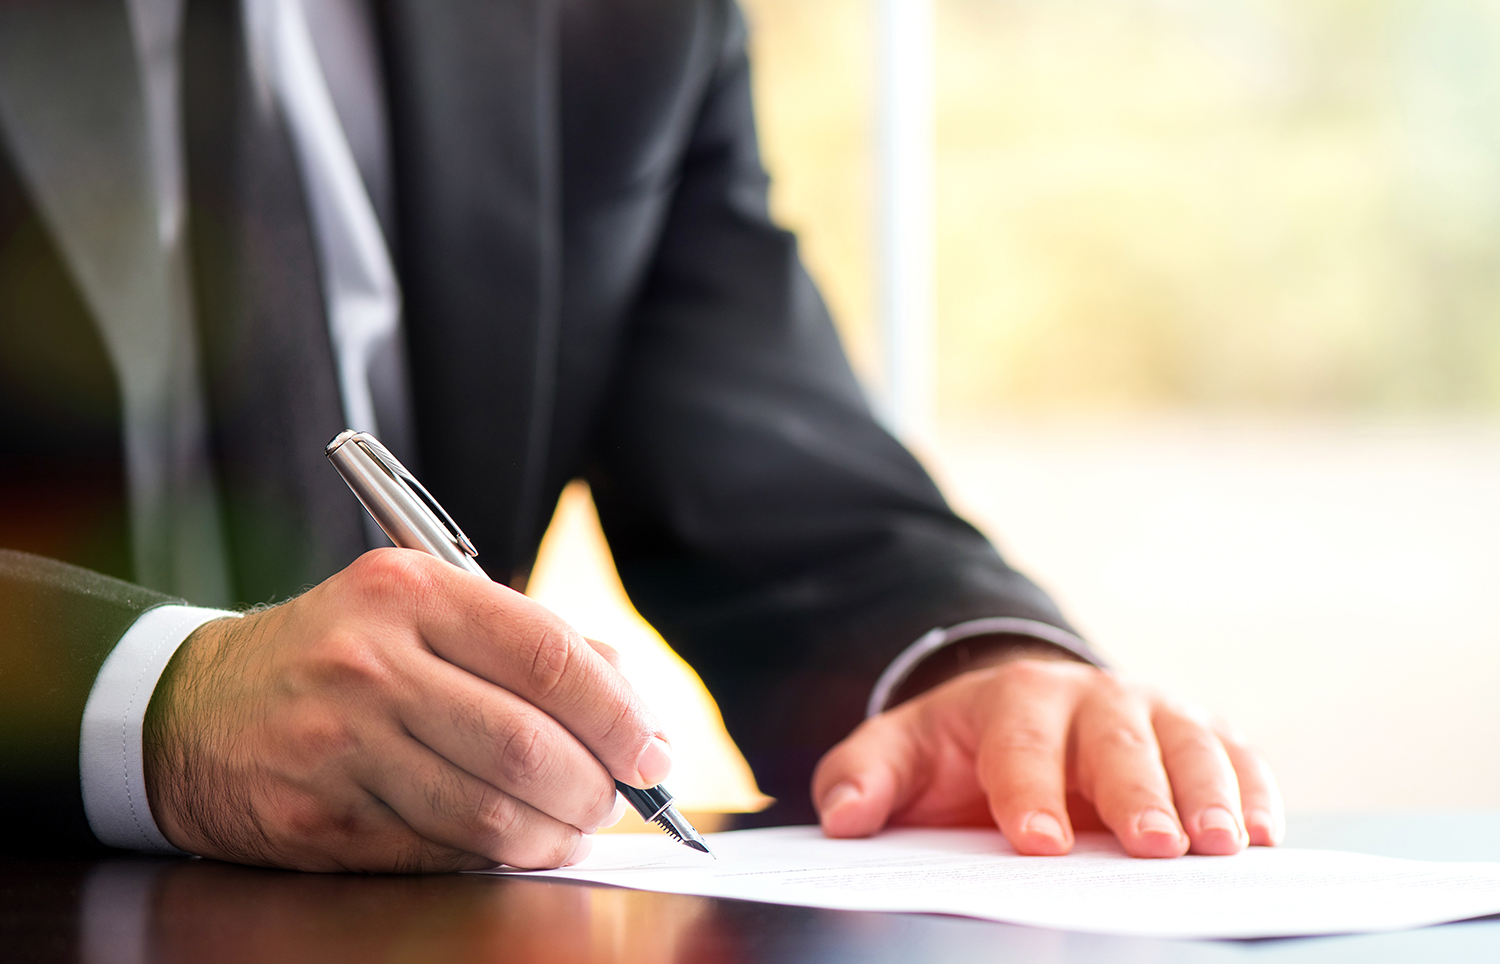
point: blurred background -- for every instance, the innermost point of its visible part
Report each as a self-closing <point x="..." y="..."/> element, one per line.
<point x="1213" y="353"/>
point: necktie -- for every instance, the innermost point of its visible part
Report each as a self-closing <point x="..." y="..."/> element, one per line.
<point x="273" y="383"/>
<point x="362" y="298"/>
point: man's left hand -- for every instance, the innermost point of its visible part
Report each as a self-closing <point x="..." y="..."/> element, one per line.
<point x="1014" y="744"/>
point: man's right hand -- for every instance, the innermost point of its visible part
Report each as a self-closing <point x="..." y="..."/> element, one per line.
<point x="404" y="715"/>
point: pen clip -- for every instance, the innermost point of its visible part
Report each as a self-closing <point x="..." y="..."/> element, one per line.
<point x="393" y="465"/>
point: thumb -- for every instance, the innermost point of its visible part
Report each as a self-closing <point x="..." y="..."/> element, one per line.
<point x="872" y="774"/>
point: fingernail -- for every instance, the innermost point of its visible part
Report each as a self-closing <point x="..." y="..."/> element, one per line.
<point x="1157" y="822"/>
<point x="1217" y="818"/>
<point x="581" y="850"/>
<point x="839" y="796"/>
<point x="655" y="762"/>
<point x="616" y="813"/>
<point x="1043" y="825"/>
<point x="1260" y="827"/>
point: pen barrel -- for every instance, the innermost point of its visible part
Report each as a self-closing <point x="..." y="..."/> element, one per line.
<point x="648" y="803"/>
<point x="409" y="523"/>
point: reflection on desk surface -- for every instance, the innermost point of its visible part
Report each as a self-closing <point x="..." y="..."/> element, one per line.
<point x="228" y="913"/>
<point x="139" y="910"/>
<point x="198" y="910"/>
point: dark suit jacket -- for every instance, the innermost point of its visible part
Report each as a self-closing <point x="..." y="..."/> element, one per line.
<point x="593" y="288"/>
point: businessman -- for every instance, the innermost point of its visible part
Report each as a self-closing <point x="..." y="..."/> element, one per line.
<point x="523" y="241"/>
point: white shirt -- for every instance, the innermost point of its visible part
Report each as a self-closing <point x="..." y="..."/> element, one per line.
<point x="364" y="310"/>
<point x="363" y="306"/>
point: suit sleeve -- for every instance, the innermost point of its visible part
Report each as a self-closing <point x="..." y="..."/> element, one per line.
<point x="58" y="623"/>
<point x="783" y="542"/>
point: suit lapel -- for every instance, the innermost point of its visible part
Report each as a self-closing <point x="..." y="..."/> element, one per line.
<point x="474" y="108"/>
<point x="74" y="118"/>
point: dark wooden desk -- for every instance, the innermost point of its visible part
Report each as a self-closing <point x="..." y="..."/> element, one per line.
<point x="136" y="911"/>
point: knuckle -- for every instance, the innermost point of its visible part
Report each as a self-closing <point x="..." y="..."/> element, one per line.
<point x="551" y="658"/>
<point x="477" y="813"/>
<point x="422" y="856"/>
<point x="498" y="827"/>
<point x="468" y="716"/>
<point x="394" y="573"/>
<point x="347" y="659"/>
<point x="604" y="803"/>
<point x="623" y="727"/>
<point x="1122" y="738"/>
<point x="501" y="825"/>
<point x="537" y="851"/>
<point x="1023" y="740"/>
<point x="564" y="848"/>
<point x="524" y="756"/>
<point x="489" y="819"/>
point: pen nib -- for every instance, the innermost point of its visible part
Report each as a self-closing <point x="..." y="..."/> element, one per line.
<point x="681" y="831"/>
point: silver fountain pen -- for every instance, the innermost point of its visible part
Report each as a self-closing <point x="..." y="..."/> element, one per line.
<point x="413" y="519"/>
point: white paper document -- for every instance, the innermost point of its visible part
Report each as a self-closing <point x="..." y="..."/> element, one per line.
<point x="1263" y="892"/>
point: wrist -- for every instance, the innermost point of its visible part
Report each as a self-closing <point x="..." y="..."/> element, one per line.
<point x="174" y="727"/>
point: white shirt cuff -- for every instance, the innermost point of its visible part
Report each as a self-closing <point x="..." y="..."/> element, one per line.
<point x="935" y="639"/>
<point x="110" y="759"/>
